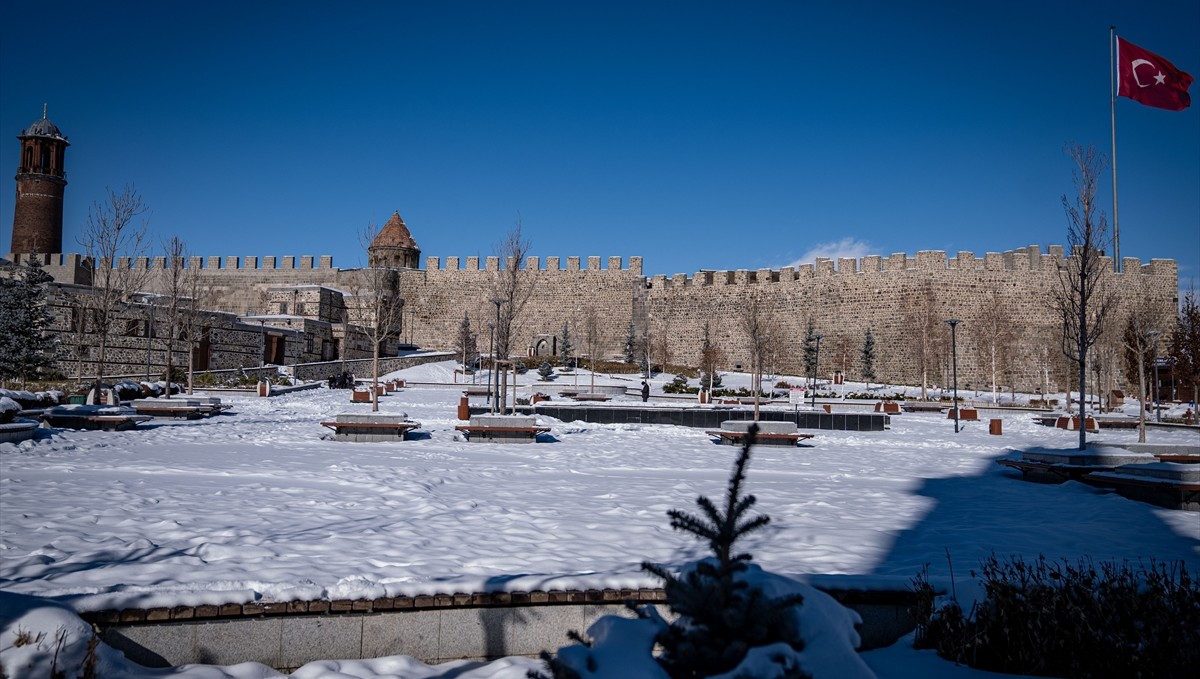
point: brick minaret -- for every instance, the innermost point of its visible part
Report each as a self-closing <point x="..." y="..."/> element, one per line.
<point x="41" y="182"/>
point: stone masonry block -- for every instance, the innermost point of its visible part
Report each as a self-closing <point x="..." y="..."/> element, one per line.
<point x="314" y="638"/>
<point x="533" y="629"/>
<point x="236" y="641"/>
<point x="473" y="633"/>
<point x="173" y="644"/>
<point x="414" y="633"/>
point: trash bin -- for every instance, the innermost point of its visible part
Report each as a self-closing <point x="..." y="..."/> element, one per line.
<point x="464" y="408"/>
<point x="994" y="427"/>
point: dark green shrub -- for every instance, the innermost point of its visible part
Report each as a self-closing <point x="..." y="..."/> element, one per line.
<point x="1066" y="619"/>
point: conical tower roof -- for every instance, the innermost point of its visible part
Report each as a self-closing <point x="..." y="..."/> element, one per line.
<point x="394" y="234"/>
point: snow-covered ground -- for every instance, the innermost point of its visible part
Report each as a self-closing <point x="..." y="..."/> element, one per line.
<point x="262" y="505"/>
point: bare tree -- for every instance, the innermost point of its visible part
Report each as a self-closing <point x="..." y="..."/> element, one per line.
<point x="926" y="328"/>
<point x="1185" y="347"/>
<point x="591" y="339"/>
<point x="193" y="328"/>
<point x="378" y="308"/>
<point x="512" y="287"/>
<point x="756" y="326"/>
<point x="174" y="284"/>
<point x="1144" y="326"/>
<point x="113" y="230"/>
<point x="1082" y="298"/>
<point x="994" y="334"/>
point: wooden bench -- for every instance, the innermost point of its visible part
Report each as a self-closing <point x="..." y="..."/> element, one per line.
<point x="1172" y="485"/>
<point x="923" y="407"/>
<point x="737" y="437"/>
<point x="591" y="397"/>
<point x="371" y="428"/>
<point x="105" y="418"/>
<point x="1056" y="466"/>
<point x="1050" y="472"/>
<point x="889" y="407"/>
<point x="502" y="429"/>
<point x="770" y="433"/>
<point x="501" y="434"/>
<point x="180" y="408"/>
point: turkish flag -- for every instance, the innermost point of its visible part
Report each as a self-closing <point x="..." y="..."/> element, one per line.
<point x="1148" y="78"/>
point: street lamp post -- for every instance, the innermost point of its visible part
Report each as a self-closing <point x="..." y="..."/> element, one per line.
<point x="149" y="339"/>
<point x="1154" y="335"/>
<point x="262" y="347"/>
<point x="954" y="361"/>
<point x="816" y="369"/>
<point x="497" y="301"/>
<point x="492" y="367"/>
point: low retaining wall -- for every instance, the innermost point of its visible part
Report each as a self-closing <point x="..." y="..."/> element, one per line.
<point x="362" y="366"/>
<point x="433" y="629"/>
<point x="703" y="417"/>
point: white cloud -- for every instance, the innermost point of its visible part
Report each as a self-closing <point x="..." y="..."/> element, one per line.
<point x="846" y="247"/>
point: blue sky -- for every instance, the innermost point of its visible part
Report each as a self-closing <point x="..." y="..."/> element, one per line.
<point x="698" y="135"/>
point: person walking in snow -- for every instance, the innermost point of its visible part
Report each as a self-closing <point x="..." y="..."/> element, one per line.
<point x="645" y="391"/>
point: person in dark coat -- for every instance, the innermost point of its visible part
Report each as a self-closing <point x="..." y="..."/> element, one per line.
<point x="645" y="391"/>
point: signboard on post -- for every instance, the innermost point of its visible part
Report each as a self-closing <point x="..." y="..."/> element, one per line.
<point x="796" y="396"/>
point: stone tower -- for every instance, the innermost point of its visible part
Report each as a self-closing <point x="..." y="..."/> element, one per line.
<point x="41" y="183"/>
<point x="394" y="246"/>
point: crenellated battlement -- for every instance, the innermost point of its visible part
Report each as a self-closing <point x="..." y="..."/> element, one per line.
<point x="535" y="264"/>
<point x="289" y="263"/>
<point x="268" y="263"/>
<point x="1030" y="259"/>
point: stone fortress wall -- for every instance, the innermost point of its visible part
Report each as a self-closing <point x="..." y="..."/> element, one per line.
<point x="888" y="294"/>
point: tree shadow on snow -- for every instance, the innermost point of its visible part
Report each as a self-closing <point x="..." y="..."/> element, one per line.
<point x="996" y="511"/>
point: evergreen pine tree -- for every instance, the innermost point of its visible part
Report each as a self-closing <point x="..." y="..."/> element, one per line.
<point x="545" y="370"/>
<point x="722" y="615"/>
<point x="867" y="357"/>
<point x="709" y="355"/>
<point x="27" y="344"/>
<point x="565" y="348"/>
<point x="466" y="341"/>
<point x="810" y="349"/>
<point x="630" y="344"/>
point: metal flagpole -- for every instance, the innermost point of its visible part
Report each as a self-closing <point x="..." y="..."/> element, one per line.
<point x="1112" y="101"/>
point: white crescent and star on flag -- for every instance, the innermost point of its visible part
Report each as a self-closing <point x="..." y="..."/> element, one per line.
<point x="1159" y="78"/>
